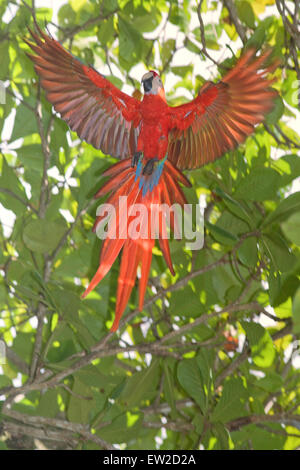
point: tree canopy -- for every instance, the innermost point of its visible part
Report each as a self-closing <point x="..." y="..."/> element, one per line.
<point x="212" y="362"/>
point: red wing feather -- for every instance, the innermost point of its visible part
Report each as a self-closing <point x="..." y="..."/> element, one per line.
<point x="91" y="105"/>
<point x="223" y="114"/>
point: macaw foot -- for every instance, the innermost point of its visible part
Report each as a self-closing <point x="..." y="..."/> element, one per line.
<point x="149" y="166"/>
<point x="149" y="174"/>
<point x="135" y="159"/>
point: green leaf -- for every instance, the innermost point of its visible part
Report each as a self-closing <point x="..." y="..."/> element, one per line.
<point x="4" y="60"/>
<point x="75" y="263"/>
<point x="43" y="14"/>
<point x="61" y="347"/>
<point x="179" y="306"/>
<point x="262" y="347"/>
<point x="31" y="156"/>
<point x="43" y="235"/>
<point x="169" y="387"/>
<point x="296" y="312"/>
<point x="167" y="50"/>
<point x="247" y="252"/>
<point x="110" y="5"/>
<point x="129" y="40"/>
<point x="278" y="252"/>
<point x="291" y="228"/>
<point x="271" y="382"/>
<point x="222" y="435"/>
<point x="276" y="112"/>
<point x="195" y="378"/>
<point x="81" y="403"/>
<point x="182" y="70"/>
<point x="198" y="423"/>
<point x="140" y="385"/>
<point x="211" y="37"/>
<point x="232" y="402"/>
<point x="236" y="207"/>
<point x="264" y="439"/>
<point x="285" y="208"/>
<point x="11" y="182"/>
<point x="205" y="361"/>
<point x="179" y="17"/>
<point x="66" y="15"/>
<point x="281" y="287"/>
<point x="260" y="185"/>
<point x="24" y="124"/>
<point x="145" y="22"/>
<point x="191" y="46"/>
<point x="289" y="88"/>
<point x="48" y="404"/>
<point x="68" y="304"/>
<point x="292" y="442"/>
<point x="123" y="428"/>
<point x="222" y="280"/>
<point x="23" y="345"/>
<point x="93" y="377"/>
<point x="246" y="13"/>
<point x="284" y="310"/>
<point x="77" y="4"/>
<point x="290" y="166"/>
<point x="221" y="233"/>
<point x="257" y="39"/>
<point x="106" y="31"/>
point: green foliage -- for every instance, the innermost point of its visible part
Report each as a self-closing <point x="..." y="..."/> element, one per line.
<point x="212" y="360"/>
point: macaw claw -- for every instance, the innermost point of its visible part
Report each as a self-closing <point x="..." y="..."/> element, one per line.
<point x="135" y="159"/>
<point x="149" y="167"/>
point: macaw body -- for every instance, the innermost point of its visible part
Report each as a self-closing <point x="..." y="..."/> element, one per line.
<point x="155" y="127"/>
<point x="153" y="140"/>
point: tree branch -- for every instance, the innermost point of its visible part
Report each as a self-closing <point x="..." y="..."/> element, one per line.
<point x="235" y="19"/>
<point x="90" y="22"/>
<point x="18" y="198"/>
<point x="68" y="426"/>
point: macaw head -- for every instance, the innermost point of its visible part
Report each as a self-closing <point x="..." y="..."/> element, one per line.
<point x="152" y="84"/>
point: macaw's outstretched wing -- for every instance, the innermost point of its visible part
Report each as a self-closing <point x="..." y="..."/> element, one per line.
<point x="223" y="114"/>
<point x="91" y="105"/>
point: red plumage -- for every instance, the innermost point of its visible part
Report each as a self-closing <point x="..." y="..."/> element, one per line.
<point x="135" y="251"/>
<point x="189" y="136"/>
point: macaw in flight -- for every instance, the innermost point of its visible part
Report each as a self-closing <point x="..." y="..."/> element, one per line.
<point x="154" y="141"/>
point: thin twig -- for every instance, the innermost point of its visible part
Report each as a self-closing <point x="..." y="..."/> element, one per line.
<point x="284" y="418"/>
<point x="202" y="35"/>
<point x="291" y="28"/>
<point x="90" y="22"/>
<point x="18" y="198"/>
<point x="77" y="428"/>
<point x="235" y="19"/>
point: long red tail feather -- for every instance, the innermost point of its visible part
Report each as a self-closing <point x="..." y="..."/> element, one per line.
<point x="136" y="241"/>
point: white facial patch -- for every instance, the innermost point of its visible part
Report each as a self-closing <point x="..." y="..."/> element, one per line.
<point x="147" y="76"/>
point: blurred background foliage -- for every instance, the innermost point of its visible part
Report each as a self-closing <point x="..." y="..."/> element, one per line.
<point x="213" y="360"/>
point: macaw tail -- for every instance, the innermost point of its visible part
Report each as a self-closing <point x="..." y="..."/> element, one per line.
<point x="132" y="220"/>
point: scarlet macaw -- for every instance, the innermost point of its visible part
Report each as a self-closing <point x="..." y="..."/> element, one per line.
<point x="153" y="140"/>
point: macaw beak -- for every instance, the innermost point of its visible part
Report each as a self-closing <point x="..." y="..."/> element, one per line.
<point x="147" y="84"/>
